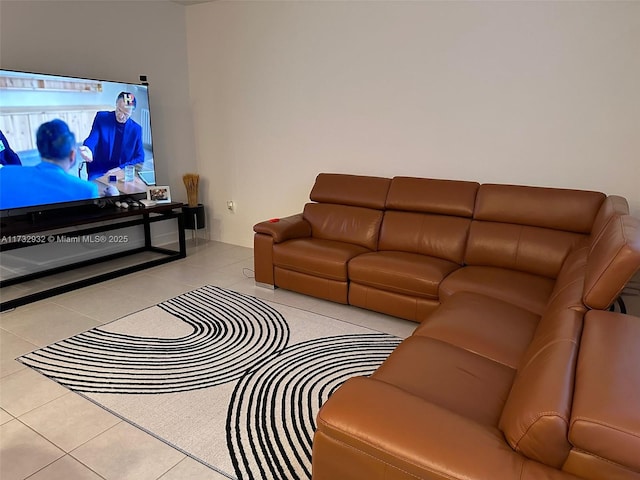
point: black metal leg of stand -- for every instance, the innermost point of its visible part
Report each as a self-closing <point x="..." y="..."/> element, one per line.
<point x="181" y="239"/>
<point x="147" y="231"/>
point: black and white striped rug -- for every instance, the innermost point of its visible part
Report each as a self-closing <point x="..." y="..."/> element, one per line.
<point x="231" y="380"/>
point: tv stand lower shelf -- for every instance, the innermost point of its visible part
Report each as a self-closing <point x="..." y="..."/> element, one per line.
<point x="26" y="234"/>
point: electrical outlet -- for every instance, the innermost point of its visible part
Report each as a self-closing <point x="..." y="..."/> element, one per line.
<point x="230" y="205"/>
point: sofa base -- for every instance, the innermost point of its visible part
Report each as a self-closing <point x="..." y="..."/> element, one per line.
<point x="332" y="290"/>
<point x="591" y="467"/>
<point x="391" y="303"/>
<point x="360" y="464"/>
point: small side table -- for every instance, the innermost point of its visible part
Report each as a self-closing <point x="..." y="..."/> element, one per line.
<point x="194" y="219"/>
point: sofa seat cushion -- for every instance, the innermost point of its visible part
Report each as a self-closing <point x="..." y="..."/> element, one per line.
<point x="524" y="290"/>
<point x="312" y="256"/>
<point x="605" y="419"/>
<point x="483" y="325"/>
<point x="401" y="272"/>
<point x="451" y="377"/>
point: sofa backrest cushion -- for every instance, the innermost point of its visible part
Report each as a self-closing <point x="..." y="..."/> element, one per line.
<point x="441" y="236"/>
<point x="343" y="223"/>
<point x="554" y="208"/>
<point x="613" y="259"/>
<point x="535" y="419"/>
<point x="540" y="251"/>
<point x="428" y="216"/>
<point x="354" y="190"/>
<point x="529" y="229"/>
<point x="427" y="195"/>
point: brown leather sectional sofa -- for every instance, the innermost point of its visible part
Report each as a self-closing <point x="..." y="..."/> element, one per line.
<point x="516" y="371"/>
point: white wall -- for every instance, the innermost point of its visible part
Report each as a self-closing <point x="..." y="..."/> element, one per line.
<point x="113" y="40"/>
<point x="536" y="93"/>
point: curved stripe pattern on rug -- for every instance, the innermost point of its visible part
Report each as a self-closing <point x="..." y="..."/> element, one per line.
<point x="271" y="417"/>
<point x="230" y="332"/>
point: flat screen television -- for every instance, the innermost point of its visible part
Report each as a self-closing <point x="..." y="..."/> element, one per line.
<point x="111" y="127"/>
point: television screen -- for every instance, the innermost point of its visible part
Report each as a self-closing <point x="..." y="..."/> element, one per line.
<point x="67" y="140"/>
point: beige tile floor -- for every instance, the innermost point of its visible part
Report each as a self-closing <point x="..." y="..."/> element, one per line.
<point x="50" y="433"/>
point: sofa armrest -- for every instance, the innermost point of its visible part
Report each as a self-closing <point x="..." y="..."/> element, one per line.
<point x="373" y="430"/>
<point x="284" y="228"/>
<point x="613" y="260"/>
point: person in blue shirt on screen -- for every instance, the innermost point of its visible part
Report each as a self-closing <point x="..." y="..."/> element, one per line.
<point x="115" y="139"/>
<point x="47" y="182"/>
<point x="7" y="155"/>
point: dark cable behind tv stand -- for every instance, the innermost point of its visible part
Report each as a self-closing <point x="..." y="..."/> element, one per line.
<point x="51" y="226"/>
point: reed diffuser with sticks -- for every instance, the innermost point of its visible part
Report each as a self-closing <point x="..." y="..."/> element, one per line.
<point x="191" y="184"/>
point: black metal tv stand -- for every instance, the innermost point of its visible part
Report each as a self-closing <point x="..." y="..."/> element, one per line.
<point x="25" y="232"/>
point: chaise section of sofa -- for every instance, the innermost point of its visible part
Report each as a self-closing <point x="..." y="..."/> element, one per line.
<point x="604" y="426"/>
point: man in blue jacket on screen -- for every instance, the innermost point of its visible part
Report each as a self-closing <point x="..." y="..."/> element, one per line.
<point x="7" y="155"/>
<point x="115" y="139"/>
<point x="49" y="181"/>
